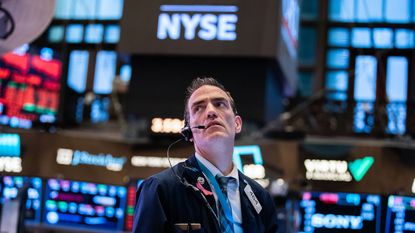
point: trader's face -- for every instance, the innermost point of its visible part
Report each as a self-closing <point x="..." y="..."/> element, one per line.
<point x="210" y="107"/>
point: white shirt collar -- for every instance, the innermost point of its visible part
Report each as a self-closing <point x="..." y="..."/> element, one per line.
<point x="215" y="171"/>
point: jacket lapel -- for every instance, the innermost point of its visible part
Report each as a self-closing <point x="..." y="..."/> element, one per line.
<point x="192" y="173"/>
<point x="249" y="216"/>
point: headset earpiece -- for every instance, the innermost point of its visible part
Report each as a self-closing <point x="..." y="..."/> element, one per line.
<point x="187" y="133"/>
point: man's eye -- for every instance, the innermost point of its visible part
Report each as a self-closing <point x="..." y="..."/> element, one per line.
<point x="221" y="104"/>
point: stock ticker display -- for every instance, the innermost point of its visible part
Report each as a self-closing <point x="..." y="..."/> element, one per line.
<point x="340" y="212"/>
<point x="10" y="186"/>
<point x="129" y="215"/>
<point x="29" y="88"/>
<point x="84" y="205"/>
<point x="400" y="216"/>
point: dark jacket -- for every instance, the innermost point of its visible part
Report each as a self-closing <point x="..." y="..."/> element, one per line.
<point x="163" y="201"/>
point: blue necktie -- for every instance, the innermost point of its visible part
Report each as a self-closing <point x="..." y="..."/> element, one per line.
<point x="225" y="225"/>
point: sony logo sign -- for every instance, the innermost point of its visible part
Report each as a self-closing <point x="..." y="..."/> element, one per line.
<point x="331" y="221"/>
<point x="206" y="22"/>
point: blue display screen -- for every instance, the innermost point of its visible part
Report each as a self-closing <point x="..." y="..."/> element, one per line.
<point x="400" y="216"/>
<point x="94" y="33"/>
<point x="10" y="186"/>
<point x="112" y="34"/>
<point x="9" y="145"/>
<point x="340" y="212"/>
<point x="105" y="69"/>
<point x="78" y="70"/>
<point x="89" y="9"/>
<point x="110" y="9"/>
<point x="84" y="205"/>
<point x="74" y="33"/>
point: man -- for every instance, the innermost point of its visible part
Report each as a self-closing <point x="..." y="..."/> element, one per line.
<point x="206" y="193"/>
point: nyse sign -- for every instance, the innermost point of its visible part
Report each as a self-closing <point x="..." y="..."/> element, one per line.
<point x="205" y="22"/>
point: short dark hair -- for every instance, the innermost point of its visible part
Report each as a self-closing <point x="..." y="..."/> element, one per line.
<point x="205" y="81"/>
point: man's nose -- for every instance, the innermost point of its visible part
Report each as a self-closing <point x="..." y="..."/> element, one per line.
<point x="211" y="111"/>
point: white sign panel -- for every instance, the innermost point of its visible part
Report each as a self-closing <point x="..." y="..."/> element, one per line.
<point x="328" y="170"/>
<point x="75" y="157"/>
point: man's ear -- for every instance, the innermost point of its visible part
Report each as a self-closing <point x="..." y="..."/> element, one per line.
<point x="238" y="124"/>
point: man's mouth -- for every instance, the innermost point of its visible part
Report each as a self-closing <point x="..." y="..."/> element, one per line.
<point x="213" y="124"/>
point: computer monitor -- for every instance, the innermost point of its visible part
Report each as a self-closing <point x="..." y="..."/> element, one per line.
<point x="105" y="70"/>
<point x="84" y="206"/>
<point x="323" y="212"/>
<point x="400" y="214"/>
<point x="10" y="186"/>
<point x="29" y="87"/>
<point x="78" y="70"/>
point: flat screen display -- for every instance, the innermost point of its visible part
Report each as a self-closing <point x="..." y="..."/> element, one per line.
<point x="112" y="34"/>
<point x="78" y="70"/>
<point x="340" y="212"/>
<point x="105" y="69"/>
<point x="232" y="27"/>
<point x="89" y="10"/>
<point x="84" y="205"/>
<point x="74" y="33"/>
<point x="94" y="33"/>
<point x="29" y="87"/>
<point x="10" y="186"/>
<point x="400" y="214"/>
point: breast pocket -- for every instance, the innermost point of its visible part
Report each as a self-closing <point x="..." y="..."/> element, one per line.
<point x="188" y="227"/>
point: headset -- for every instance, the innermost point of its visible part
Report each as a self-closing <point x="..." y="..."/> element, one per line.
<point x="187" y="131"/>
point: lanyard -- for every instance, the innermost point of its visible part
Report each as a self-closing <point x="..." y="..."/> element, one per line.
<point x="221" y="198"/>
